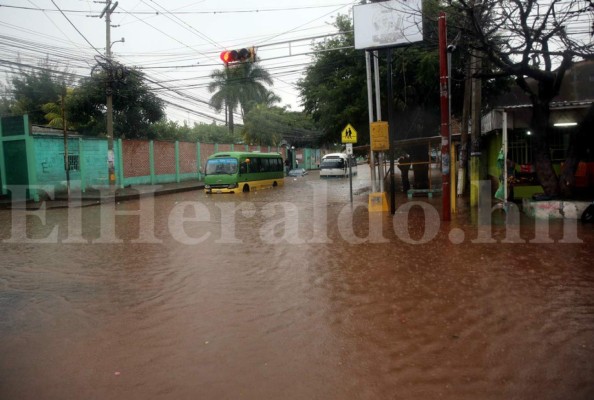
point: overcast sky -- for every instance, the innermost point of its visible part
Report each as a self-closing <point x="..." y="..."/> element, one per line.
<point x="177" y="42"/>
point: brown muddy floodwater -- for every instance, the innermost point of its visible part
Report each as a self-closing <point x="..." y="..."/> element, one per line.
<point x="288" y="294"/>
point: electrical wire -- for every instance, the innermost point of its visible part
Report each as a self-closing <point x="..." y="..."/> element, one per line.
<point x="160" y="82"/>
<point x="75" y="28"/>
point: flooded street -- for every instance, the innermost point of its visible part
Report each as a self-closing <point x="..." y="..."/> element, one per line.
<point x="292" y="293"/>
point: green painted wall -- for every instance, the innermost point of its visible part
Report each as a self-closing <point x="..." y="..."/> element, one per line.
<point x="39" y="159"/>
<point x="17" y="160"/>
<point x="49" y="154"/>
<point x="493" y="147"/>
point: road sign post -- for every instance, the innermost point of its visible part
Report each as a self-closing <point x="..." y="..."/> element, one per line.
<point x="348" y="137"/>
<point x="349" y="151"/>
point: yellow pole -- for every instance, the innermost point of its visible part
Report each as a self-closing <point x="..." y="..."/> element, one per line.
<point x="453" y="169"/>
<point x="474" y="180"/>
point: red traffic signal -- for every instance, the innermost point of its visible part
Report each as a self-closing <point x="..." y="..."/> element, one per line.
<point x="227" y="57"/>
<point x="241" y="55"/>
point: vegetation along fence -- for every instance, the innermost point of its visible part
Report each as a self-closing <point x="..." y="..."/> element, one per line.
<point x="38" y="159"/>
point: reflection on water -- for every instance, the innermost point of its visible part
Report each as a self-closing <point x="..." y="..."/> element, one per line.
<point x="377" y="317"/>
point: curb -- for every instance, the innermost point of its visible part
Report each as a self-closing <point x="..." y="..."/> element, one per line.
<point x="61" y="201"/>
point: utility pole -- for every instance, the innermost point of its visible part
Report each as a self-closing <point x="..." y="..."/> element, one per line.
<point x="65" y="130"/>
<point x="475" y="149"/>
<point x="107" y="11"/>
<point x="464" y="127"/>
<point x="475" y="117"/>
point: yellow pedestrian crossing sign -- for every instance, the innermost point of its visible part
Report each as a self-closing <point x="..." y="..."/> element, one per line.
<point x="349" y="134"/>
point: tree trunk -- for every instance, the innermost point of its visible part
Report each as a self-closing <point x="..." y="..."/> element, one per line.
<point x="464" y="128"/>
<point x="475" y="134"/>
<point x="231" y="126"/>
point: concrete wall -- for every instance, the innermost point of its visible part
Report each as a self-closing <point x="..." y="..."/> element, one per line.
<point x="89" y="161"/>
<point x="137" y="162"/>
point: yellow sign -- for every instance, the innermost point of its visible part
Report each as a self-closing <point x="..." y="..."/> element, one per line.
<point x="349" y="134"/>
<point x="378" y="202"/>
<point x="379" y="135"/>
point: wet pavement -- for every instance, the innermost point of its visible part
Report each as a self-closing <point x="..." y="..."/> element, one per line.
<point x="292" y="293"/>
<point x="93" y="196"/>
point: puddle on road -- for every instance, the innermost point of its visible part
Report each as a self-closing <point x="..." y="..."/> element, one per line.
<point x="331" y="309"/>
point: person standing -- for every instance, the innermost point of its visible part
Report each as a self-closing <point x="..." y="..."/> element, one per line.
<point x="404" y="167"/>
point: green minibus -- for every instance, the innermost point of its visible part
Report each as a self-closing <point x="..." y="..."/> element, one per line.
<point x="235" y="171"/>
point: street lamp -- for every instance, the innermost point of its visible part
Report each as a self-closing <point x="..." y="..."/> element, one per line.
<point x="122" y="40"/>
<point x="292" y="157"/>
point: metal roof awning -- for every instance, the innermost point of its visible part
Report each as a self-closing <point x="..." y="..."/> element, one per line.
<point x="519" y="115"/>
<point x="423" y="140"/>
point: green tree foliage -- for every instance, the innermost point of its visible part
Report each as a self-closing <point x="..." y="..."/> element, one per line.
<point x="270" y="99"/>
<point x="269" y="126"/>
<point x="32" y="89"/>
<point x="54" y="114"/>
<point x="416" y="92"/>
<point x="205" y="133"/>
<point x="334" y="89"/>
<point x="135" y="107"/>
<point x="239" y="85"/>
<point x="6" y="105"/>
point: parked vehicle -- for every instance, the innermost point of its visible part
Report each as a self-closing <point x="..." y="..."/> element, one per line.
<point x="337" y="164"/>
<point x="298" y="172"/>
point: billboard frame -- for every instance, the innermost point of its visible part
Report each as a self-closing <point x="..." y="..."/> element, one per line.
<point x="389" y="23"/>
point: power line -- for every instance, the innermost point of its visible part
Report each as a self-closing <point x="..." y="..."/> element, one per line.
<point x="307" y="23"/>
<point x="181" y="91"/>
<point x="185" y="25"/>
<point x="166" y="34"/>
<point x="258" y="10"/>
<point x="75" y="28"/>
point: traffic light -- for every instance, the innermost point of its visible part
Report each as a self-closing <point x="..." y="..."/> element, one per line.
<point x="237" y="56"/>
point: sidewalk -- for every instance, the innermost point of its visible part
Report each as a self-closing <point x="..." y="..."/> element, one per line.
<point x="93" y="196"/>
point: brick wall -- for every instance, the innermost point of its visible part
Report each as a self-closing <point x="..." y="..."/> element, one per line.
<point x="136" y="158"/>
<point x="164" y="158"/>
<point x="206" y="149"/>
<point x="187" y="158"/>
<point x="49" y="151"/>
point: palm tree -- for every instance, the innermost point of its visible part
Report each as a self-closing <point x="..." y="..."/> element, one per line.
<point x="238" y="85"/>
<point x="271" y="99"/>
<point x="54" y="112"/>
